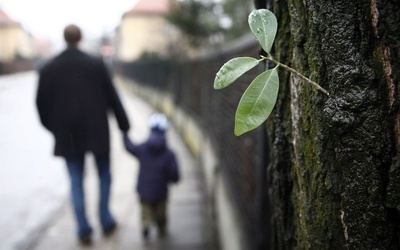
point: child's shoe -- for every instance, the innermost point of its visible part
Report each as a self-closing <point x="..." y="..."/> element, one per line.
<point x="162" y="232"/>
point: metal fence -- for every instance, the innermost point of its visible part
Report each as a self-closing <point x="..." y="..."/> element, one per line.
<point x="242" y="159"/>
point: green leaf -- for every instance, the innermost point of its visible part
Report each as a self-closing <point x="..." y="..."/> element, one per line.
<point x="257" y="102"/>
<point x="263" y="24"/>
<point x="232" y="70"/>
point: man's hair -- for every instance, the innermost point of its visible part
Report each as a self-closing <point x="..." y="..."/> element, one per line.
<point x="72" y="34"/>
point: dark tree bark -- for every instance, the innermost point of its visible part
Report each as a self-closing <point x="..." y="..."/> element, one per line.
<point x="334" y="178"/>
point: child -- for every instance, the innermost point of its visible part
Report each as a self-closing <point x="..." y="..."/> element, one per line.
<point x="158" y="168"/>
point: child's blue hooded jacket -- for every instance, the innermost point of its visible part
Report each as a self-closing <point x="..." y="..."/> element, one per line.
<point x="158" y="166"/>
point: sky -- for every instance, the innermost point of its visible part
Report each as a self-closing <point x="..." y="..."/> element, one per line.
<point x="47" y="18"/>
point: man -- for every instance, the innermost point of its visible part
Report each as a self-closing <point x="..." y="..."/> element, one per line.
<point x="74" y="95"/>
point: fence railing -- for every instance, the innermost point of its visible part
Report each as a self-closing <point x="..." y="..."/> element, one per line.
<point x="241" y="159"/>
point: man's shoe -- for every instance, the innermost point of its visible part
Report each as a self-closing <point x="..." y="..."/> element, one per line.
<point x="145" y="233"/>
<point x="110" y="230"/>
<point x="86" y="239"/>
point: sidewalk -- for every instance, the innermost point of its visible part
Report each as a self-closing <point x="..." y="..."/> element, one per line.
<point x="185" y="211"/>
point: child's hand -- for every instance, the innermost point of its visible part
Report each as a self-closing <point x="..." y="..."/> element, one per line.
<point x="128" y="144"/>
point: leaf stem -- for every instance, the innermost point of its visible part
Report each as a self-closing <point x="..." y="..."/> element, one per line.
<point x="316" y="85"/>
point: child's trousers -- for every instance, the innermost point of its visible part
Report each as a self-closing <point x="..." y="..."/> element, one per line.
<point x="154" y="213"/>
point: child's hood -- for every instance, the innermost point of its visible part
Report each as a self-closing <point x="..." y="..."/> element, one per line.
<point x="157" y="141"/>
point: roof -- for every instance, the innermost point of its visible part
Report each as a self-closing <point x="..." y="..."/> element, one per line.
<point x="150" y="7"/>
<point x="5" y="20"/>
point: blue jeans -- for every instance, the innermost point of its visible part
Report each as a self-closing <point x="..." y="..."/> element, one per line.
<point x="76" y="172"/>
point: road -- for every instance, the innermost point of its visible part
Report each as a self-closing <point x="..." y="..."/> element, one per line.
<point x="28" y="167"/>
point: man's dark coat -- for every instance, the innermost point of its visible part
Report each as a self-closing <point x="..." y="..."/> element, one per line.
<point x="75" y="93"/>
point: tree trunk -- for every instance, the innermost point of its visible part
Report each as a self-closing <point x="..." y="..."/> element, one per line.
<point x="334" y="176"/>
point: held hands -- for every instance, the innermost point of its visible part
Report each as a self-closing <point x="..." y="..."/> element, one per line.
<point x="129" y="146"/>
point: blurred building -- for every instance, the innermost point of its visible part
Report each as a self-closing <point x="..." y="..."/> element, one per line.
<point x="43" y="47"/>
<point x="15" y="42"/>
<point x="145" y="32"/>
<point x="44" y="51"/>
<point x="17" y="50"/>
